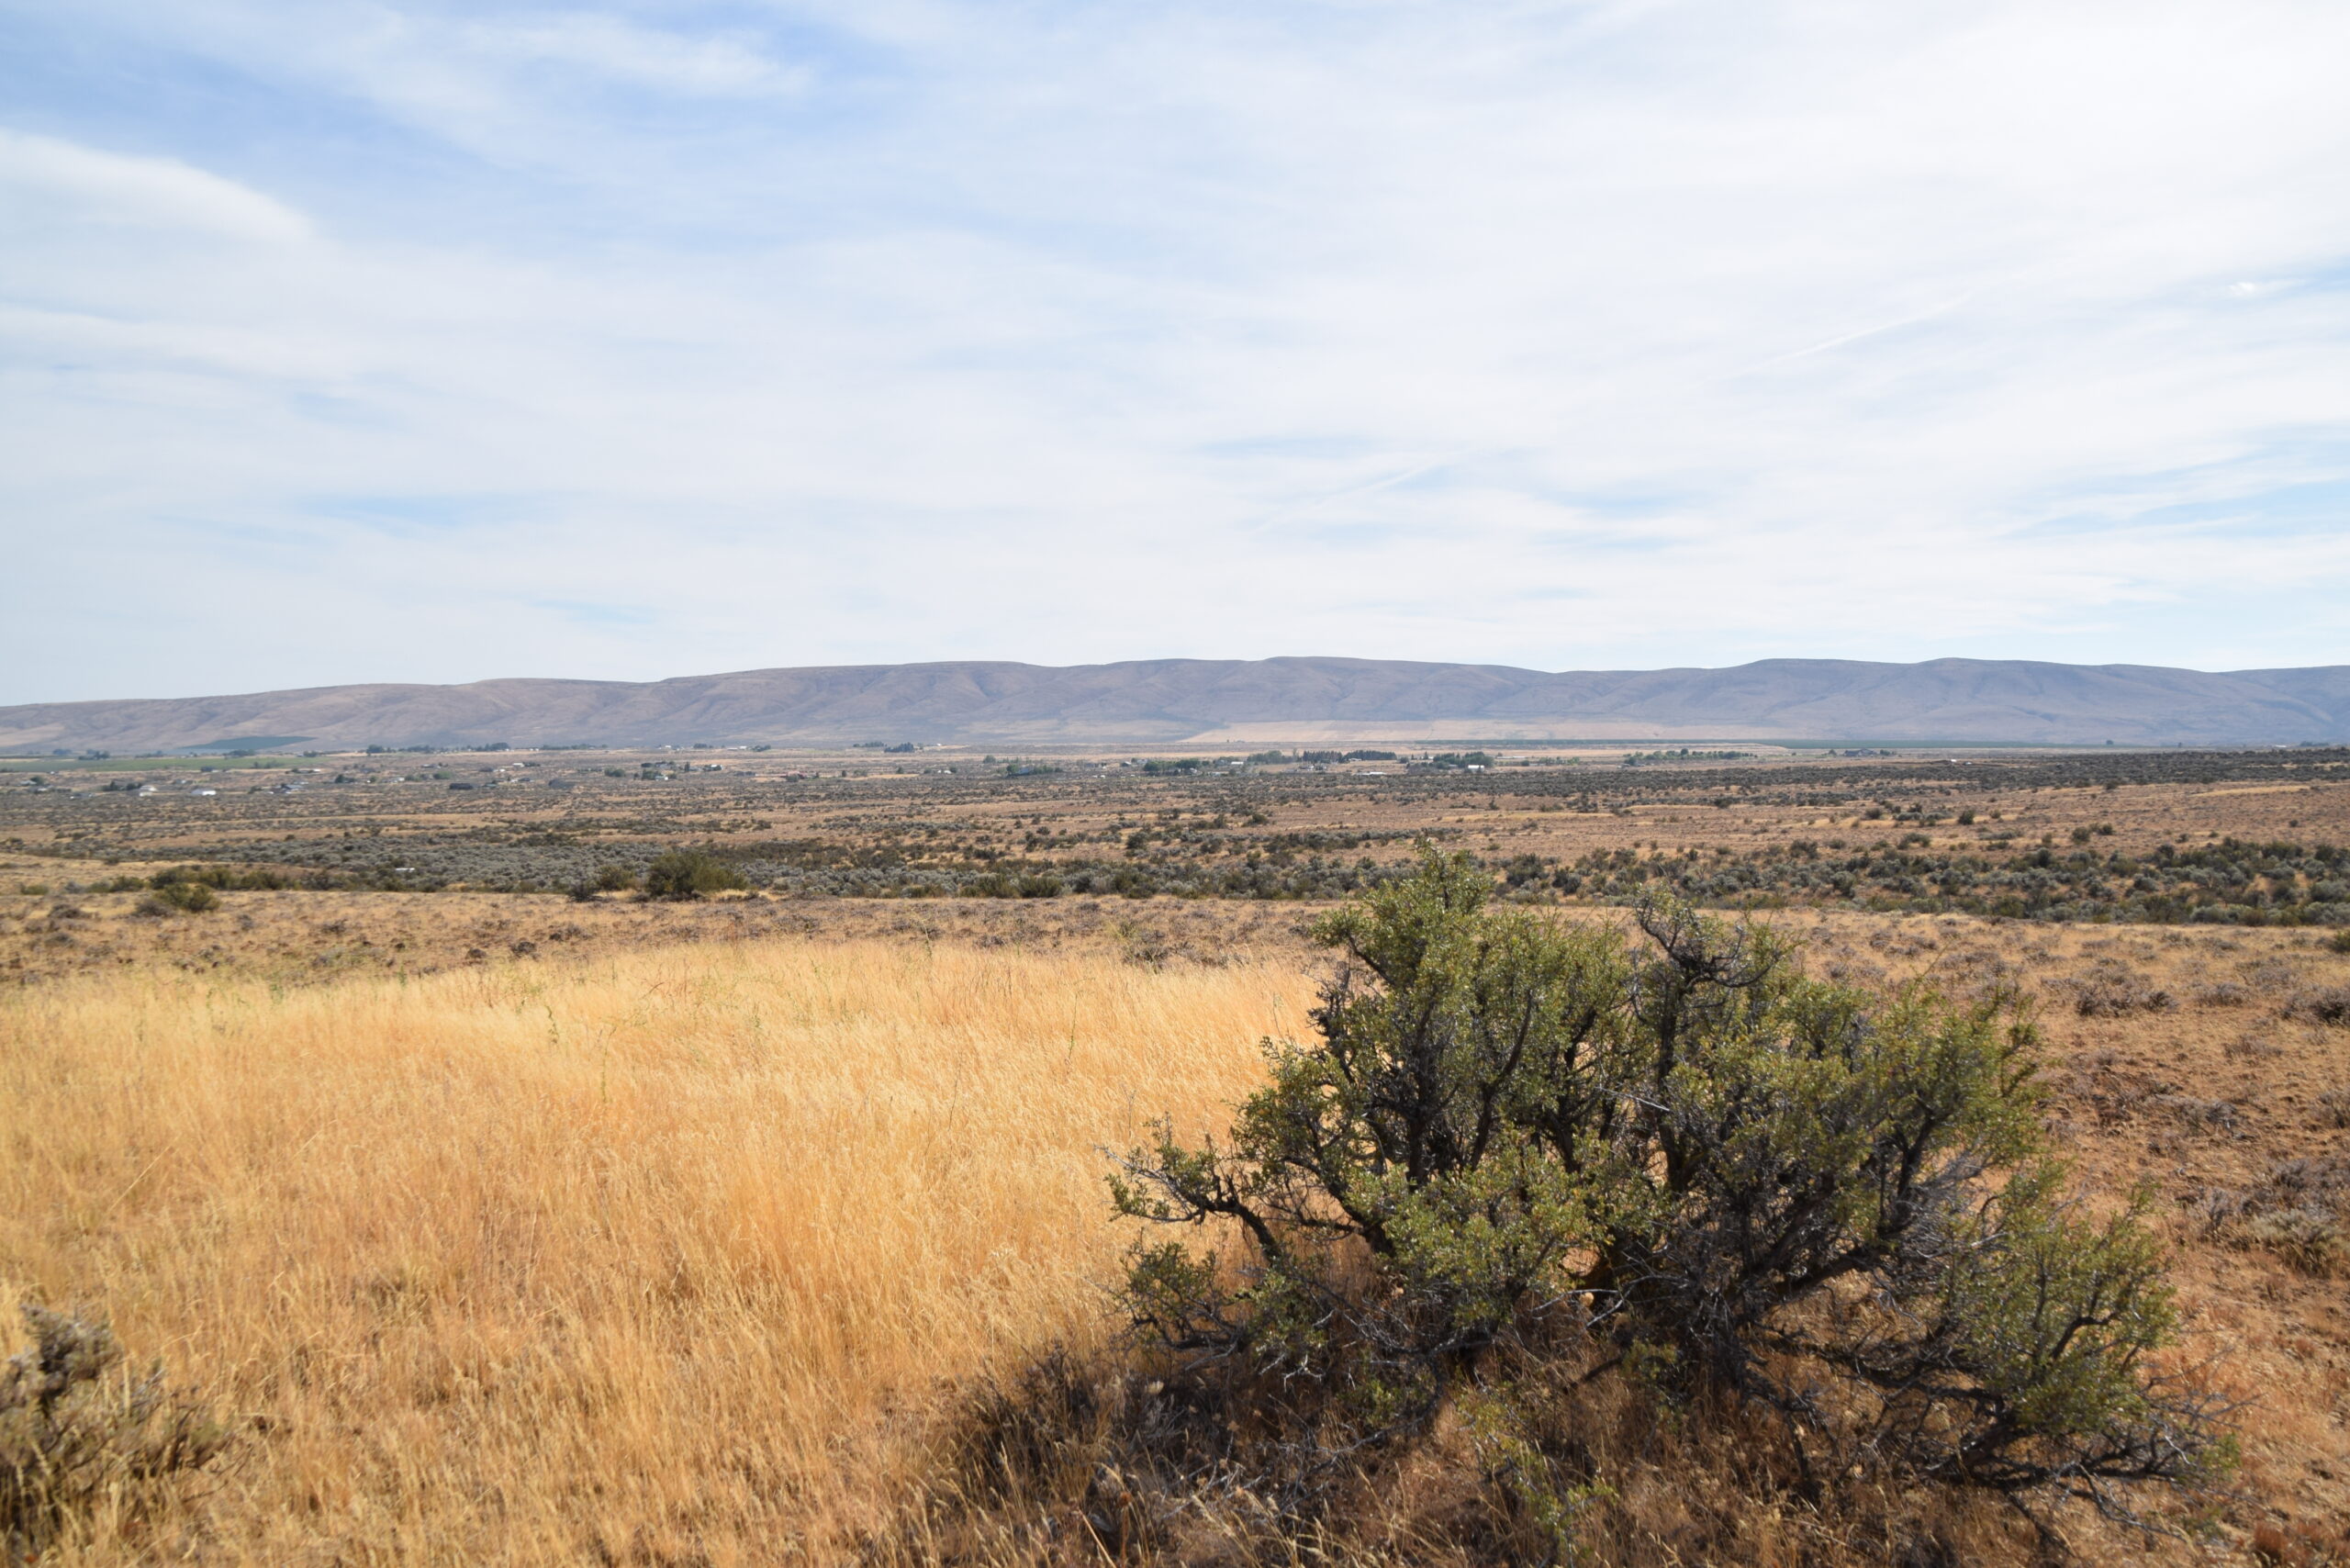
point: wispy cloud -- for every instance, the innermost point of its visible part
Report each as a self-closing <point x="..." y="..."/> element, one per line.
<point x="52" y="182"/>
<point x="1568" y="334"/>
<point x="625" y="51"/>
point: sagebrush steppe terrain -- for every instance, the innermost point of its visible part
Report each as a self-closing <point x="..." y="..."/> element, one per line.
<point x="513" y="1226"/>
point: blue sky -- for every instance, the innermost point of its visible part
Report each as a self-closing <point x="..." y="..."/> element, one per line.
<point x="411" y="341"/>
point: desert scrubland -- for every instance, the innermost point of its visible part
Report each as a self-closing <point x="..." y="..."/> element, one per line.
<point x="510" y="1227"/>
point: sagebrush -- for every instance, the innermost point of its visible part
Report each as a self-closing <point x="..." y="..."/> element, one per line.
<point x="1522" y="1154"/>
<point x="78" y="1433"/>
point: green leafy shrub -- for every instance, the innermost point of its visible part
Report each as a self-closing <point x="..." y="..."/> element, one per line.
<point x="76" y="1429"/>
<point x="1523" y="1153"/>
<point x="689" y="874"/>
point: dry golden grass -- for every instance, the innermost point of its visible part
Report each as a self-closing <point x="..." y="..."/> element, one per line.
<point x="662" y="1252"/>
<point x="640" y="1258"/>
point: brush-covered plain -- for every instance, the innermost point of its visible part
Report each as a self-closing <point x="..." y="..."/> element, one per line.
<point x="522" y="1228"/>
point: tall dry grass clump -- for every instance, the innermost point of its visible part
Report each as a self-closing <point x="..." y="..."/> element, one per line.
<point x="659" y="1258"/>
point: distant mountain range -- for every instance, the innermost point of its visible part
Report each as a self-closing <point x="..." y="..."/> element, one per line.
<point x="1251" y="700"/>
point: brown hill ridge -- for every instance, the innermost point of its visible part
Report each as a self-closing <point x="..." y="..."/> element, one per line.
<point x="1955" y="701"/>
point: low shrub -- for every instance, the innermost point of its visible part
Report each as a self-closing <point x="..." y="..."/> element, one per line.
<point x="2203" y="1115"/>
<point x="1521" y="1156"/>
<point x="2323" y="1005"/>
<point x="2311" y="1239"/>
<point x="689" y="874"/>
<point x="183" y="898"/>
<point x="2301" y="1213"/>
<point x="222" y="878"/>
<point x="2113" y="991"/>
<point x="77" y="1430"/>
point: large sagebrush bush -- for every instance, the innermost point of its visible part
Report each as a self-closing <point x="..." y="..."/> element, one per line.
<point x="1523" y="1153"/>
<point x="689" y="874"/>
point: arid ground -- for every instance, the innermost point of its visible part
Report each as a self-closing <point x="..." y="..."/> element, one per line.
<point x="498" y="1223"/>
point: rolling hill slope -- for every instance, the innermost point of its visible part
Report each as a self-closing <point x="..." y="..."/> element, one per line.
<point x="1253" y="699"/>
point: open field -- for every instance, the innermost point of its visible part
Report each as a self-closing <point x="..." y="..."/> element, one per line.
<point x="639" y="1255"/>
<point x="665" y="1252"/>
<point x="511" y="1228"/>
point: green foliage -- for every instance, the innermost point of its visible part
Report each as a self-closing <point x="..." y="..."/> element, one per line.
<point x="76" y="1431"/>
<point x="689" y="874"/>
<point x="2228" y="881"/>
<point x="1651" y="758"/>
<point x="1523" y="1144"/>
<point x="188" y="898"/>
<point x="1509" y="1447"/>
<point x="222" y="878"/>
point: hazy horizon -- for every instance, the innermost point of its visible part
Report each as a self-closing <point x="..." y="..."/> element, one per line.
<point x="749" y="669"/>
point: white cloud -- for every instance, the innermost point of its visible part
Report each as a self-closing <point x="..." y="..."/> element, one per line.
<point x="61" y="180"/>
<point x="1578" y="335"/>
<point x="609" y="47"/>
